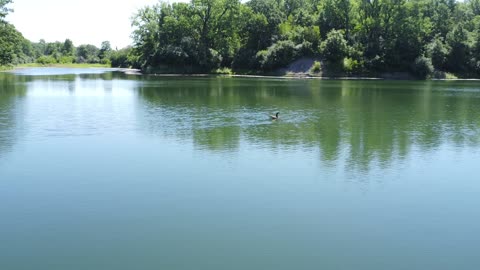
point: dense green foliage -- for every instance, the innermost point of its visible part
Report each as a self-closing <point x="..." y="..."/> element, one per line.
<point x="66" y="53"/>
<point x="14" y="48"/>
<point x="357" y="36"/>
<point x="351" y="37"/>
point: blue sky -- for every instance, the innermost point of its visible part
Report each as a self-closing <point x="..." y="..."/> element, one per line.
<point x="83" y="21"/>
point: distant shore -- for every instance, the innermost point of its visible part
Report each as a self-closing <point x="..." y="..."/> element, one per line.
<point x="294" y="76"/>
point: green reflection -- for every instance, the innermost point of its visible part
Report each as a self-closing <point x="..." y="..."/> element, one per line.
<point x="364" y="122"/>
<point x="12" y="91"/>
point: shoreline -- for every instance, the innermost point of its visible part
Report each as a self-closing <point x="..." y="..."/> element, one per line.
<point x="292" y="76"/>
<point x="301" y="77"/>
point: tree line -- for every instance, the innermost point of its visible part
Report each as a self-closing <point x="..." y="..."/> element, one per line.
<point x="350" y="37"/>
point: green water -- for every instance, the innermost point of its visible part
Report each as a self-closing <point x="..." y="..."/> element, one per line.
<point x="102" y="170"/>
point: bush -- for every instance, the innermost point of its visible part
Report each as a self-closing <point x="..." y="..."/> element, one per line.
<point x="278" y="55"/>
<point x="351" y="65"/>
<point x="120" y="58"/>
<point x="223" y="71"/>
<point x="305" y="49"/>
<point x="46" y="60"/>
<point x="422" y="67"/>
<point x="335" y="47"/>
<point x="316" y="67"/>
<point x="66" y="59"/>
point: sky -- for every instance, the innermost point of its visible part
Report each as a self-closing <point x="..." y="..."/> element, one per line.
<point x="82" y="21"/>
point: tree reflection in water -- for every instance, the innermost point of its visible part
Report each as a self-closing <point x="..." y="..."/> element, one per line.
<point x="12" y="93"/>
<point x="362" y="122"/>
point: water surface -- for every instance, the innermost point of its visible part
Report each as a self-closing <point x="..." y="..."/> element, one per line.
<point x="102" y="170"/>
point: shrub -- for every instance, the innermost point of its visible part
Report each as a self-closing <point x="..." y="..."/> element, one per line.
<point x="422" y="67"/>
<point x="66" y="59"/>
<point x="351" y="65"/>
<point x="316" y="67"/>
<point x="278" y="55"/>
<point x="106" y="61"/>
<point x="335" y="47"/>
<point x="120" y="58"/>
<point x="223" y="71"/>
<point x="46" y="60"/>
<point x="305" y="49"/>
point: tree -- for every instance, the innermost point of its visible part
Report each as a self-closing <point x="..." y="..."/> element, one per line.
<point x="440" y="12"/>
<point x="87" y="54"/>
<point x="270" y="9"/>
<point x="458" y="41"/>
<point x="121" y="58"/>
<point x="68" y="49"/>
<point x="146" y="23"/>
<point x="11" y="49"/>
<point x="105" y="50"/>
<point x="372" y="35"/>
<point x="335" y="14"/>
<point x="422" y="67"/>
<point x="4" y="10"/>
<point x="278" y="55"/>
<point x="335" y="47"/>
<point x="438" y="52"/>
<point x="210" y="17"/>
<point x="474" y="6"/>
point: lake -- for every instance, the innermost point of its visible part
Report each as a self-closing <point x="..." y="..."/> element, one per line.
<point x="104" y="170"/>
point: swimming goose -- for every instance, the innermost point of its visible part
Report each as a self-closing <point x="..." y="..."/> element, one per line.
<point x="274" y="117"/>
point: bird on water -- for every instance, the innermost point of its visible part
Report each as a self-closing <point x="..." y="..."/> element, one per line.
<point x="274" y="117"/>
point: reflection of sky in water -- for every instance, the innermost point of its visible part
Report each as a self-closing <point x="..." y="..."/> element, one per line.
<point x="48" y="71"/>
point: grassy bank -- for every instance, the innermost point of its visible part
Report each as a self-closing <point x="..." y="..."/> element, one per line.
<point x="294" y="70"/>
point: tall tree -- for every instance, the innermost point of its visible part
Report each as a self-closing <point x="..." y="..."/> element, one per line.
<point x="105" y="50"/>
<point x="87" y="54"/>
<point x="68" y="49"/>
<point x="211" y="18"/>
<point x="11" y="45"/>
<point x="335" y="14"/>
<point x="146" y="23"/>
